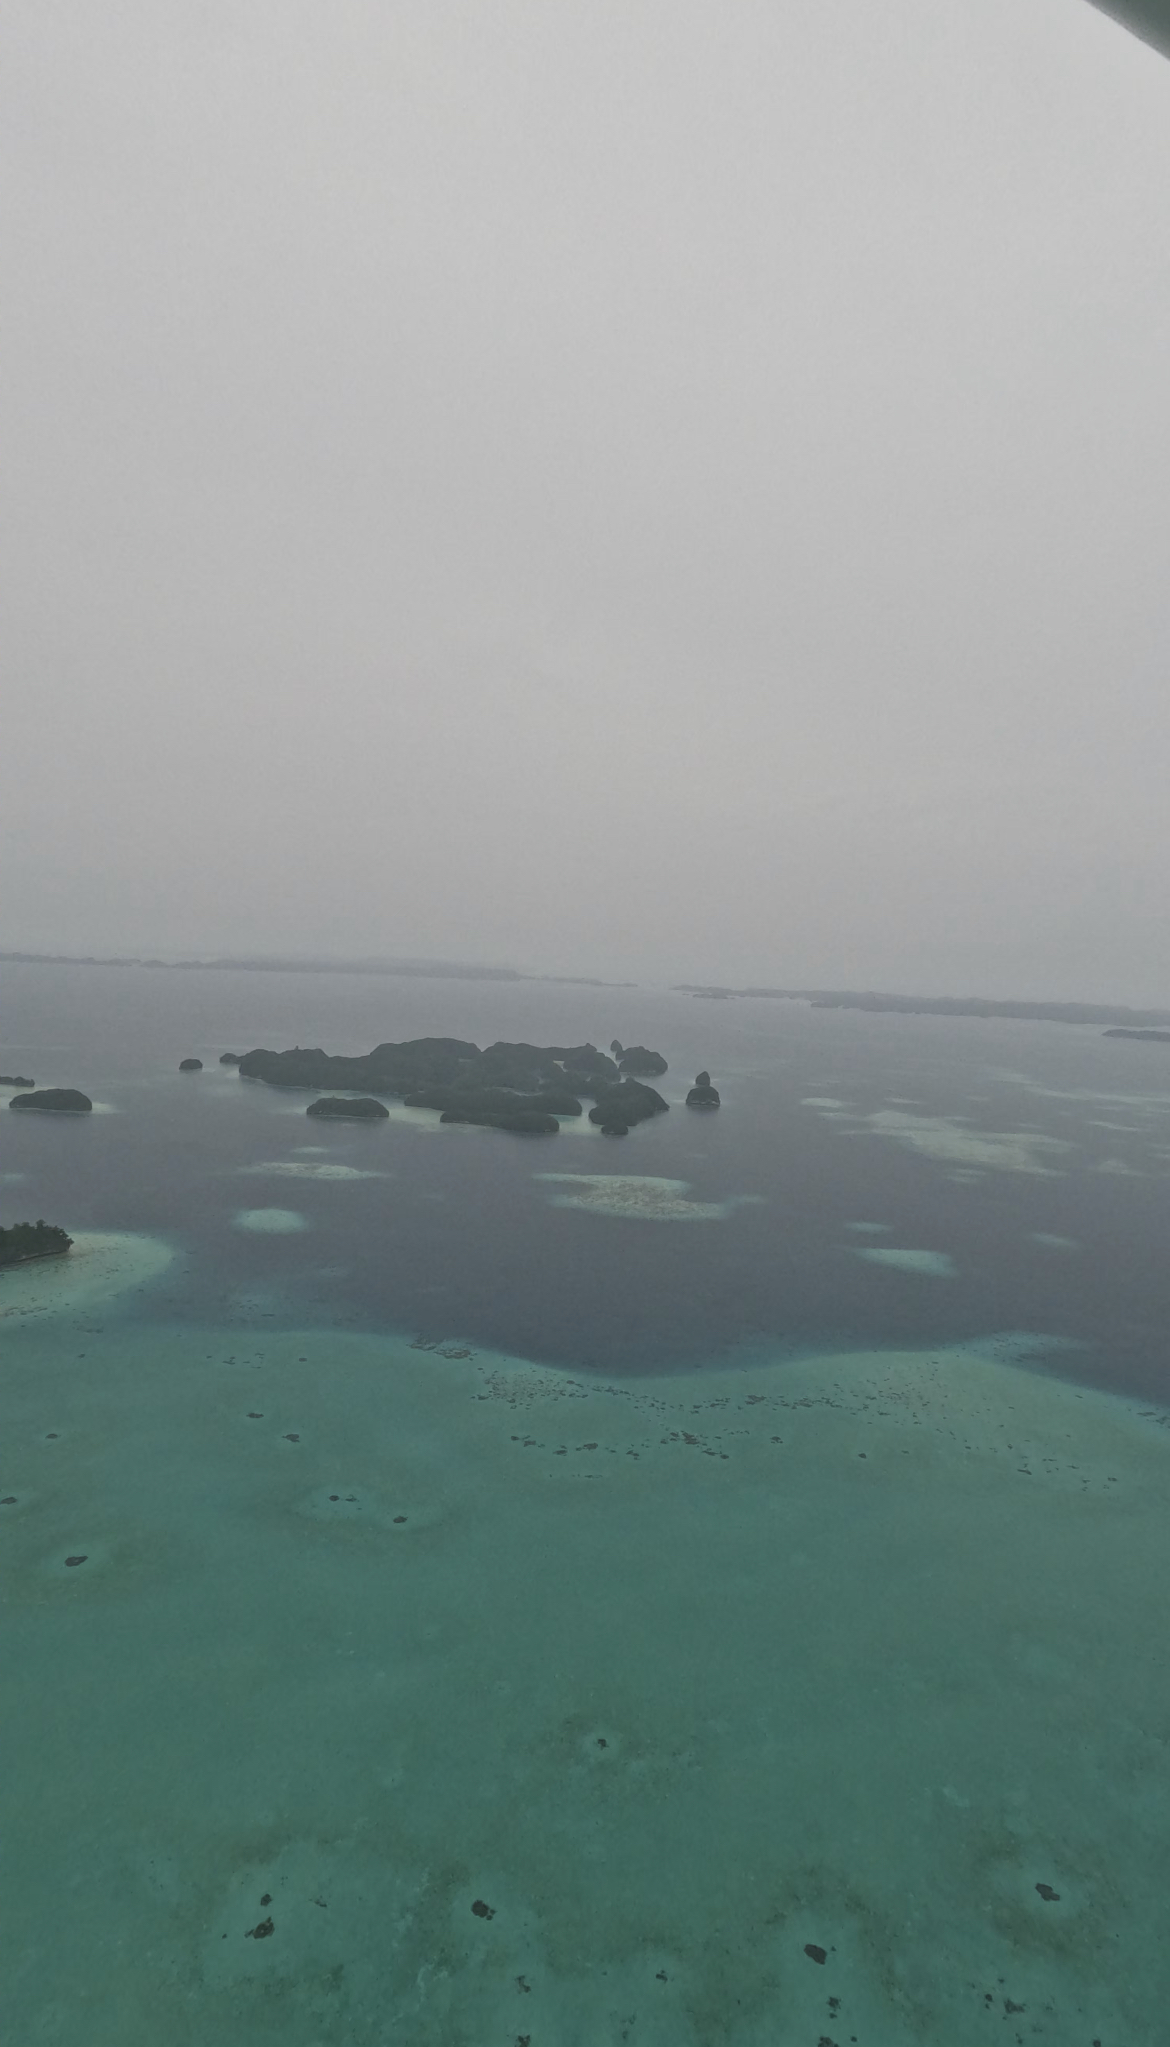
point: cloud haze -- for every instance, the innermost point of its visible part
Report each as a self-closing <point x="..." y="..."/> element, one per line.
<point x="613" y="485"/>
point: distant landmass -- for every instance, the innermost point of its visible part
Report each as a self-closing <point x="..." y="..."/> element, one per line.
<point x="941" y="1005"/>
<point x="439" y="970"/>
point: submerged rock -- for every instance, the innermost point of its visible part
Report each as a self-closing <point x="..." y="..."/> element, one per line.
<point x="65" y="1099"/>
<point x="363" y="1107"/>
<point x="190" y="1066"/>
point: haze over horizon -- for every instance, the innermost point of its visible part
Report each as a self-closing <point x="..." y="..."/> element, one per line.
<point x="644" y="490"/>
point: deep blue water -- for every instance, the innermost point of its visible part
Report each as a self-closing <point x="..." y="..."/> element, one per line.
<point x="458" y="1237"/>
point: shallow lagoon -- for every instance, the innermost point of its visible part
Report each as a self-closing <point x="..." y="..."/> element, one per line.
<point x="531" y="1702"/>
<point x="673" y="1679"/>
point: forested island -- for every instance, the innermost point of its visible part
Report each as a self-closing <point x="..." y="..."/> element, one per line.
<point x="359" y="1108"/>
<point x="26" y="1241"/>
<point x="65" y="1100"/>
<point x="703" y="1095"/>
<point x="518" y="1087"/>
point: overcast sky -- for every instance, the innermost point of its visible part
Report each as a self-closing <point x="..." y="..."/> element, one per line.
<point x="630" y="486"/>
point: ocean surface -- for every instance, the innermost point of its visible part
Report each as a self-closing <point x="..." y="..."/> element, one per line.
<point x="702" y="1587"/>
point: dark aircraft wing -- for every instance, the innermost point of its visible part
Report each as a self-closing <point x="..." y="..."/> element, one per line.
<point x="1149" y="19"/>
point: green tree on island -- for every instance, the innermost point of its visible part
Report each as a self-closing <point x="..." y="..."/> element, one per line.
<point x="32" y="1240"/>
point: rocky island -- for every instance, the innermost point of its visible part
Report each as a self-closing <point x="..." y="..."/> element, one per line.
<point x="518" y="1087"/>
<point x="68" y="1100"/>
<point x="25" y="1241"/>
<point x="617" y="1109"/>
<point x="16" y="1080"/>
<point x="363" y="1108"/>
<point x="1160" y="1037"/>
<point x="703" y="1095"/>
<point x="190" y="1066"/>
<point x="639" y="1060"/>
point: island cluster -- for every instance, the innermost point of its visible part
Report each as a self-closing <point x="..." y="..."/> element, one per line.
<point x="523" y="1088"/>
<point x="526" y="1089"/>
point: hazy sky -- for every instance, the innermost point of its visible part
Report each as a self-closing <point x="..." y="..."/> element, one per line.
<point x="629" y="486"/>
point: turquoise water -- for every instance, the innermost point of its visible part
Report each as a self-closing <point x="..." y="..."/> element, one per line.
<point x="415" y="1687"/>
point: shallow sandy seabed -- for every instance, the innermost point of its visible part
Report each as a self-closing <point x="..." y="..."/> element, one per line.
<point x="952" y="1142"/>
<point x="639" y="1197"/>
<point x="928" y="1264"/>
<point x="100" y="1266"/>
<point x="412" y="1695"/>
<point x="302" y="1169"/>
<point x="270" y="1222"/>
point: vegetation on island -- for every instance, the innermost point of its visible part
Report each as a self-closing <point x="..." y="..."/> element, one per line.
<point x="68" y="1099"/>
<point x="703" y="1095"/>
<point x="25" y="1241"/>
<point x="518" y="1087"/>
<point x="363" y="1108"/>
<point x="639" y="1060"/>
<point x="617" y="1109"/>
